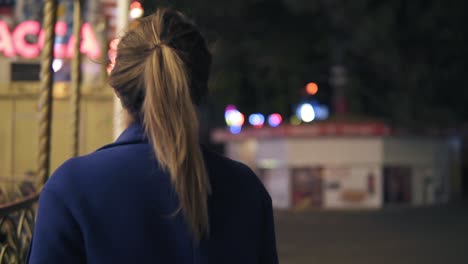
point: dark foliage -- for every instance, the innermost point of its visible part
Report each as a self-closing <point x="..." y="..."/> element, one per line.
<point x="405" y="60"/>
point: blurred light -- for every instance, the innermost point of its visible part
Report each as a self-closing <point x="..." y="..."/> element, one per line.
<point x="239" y="119"/>
<point x="60" y="90"/>
<point x="321" y="112"/>
<point x="269" y="163"/>
<point x="312" y="88"/>
<point x="23" y="48"/>
<point x="7" y="46"/>
<point x="57" y="65"/>
<point x="234" y="118"/>
<point x="17" y="41"/>
<point x="294" y="120"/>
<point x="306" y="112"/>
<point x="60" y="48"/>
<point x="229" y="116"/>
<point x="275" y="120"/>
<point x="89" y="43"/>
<point x="136" y="10"/>
<point x="135" y="4"/>
<point x="256" y="120"/>
<point x="230" y="107"/>
<point x="112" y="54"/>
<point x="235" y="129"/>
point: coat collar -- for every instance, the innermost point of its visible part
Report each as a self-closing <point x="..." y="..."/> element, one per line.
<point x="133" y="134"/>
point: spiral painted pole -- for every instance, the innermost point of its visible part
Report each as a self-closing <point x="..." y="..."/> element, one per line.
<point x="46" y="86"/>
<point x="76" y="77"/>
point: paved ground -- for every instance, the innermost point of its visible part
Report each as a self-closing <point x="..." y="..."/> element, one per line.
<point x="396" y="235"/>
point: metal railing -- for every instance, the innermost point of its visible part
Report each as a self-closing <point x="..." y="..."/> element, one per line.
<point x="16" y="228"/>
<point x="17" y="216"/>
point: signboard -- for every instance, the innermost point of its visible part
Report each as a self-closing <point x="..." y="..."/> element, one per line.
<point x="307" y="191"/>
<point x="26" y="40"/>
<point x="353" y="186"/>
<point x="315" y="130"/>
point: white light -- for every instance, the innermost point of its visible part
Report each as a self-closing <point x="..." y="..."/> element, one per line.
<point x="57" y="64"/>
<point x="229" y="116"/>
<point x="136" y="13"/>
<point x="234" y="118"/>
<point x="306" y="113"/>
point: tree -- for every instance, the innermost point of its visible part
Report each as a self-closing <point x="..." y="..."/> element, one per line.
<point x="405" y="59"/>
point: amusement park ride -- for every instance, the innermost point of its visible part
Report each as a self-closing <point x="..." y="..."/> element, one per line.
<point x="44" y="121"/>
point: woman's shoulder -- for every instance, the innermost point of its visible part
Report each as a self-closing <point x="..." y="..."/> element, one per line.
<point x="64" y="179"/>
<point x="106" y="165"/>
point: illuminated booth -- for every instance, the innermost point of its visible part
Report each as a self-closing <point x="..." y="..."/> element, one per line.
<point x="347" y="165"/>
<point x="21" y="42"/>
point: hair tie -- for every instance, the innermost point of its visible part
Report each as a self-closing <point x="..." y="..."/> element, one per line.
<point x="157" y="39"/>
<point x="158" y="45"/>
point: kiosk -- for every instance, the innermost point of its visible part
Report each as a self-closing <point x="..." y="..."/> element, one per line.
<point x="347" y="165"/>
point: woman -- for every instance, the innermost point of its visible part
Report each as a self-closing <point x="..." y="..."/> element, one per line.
<point x="154" y="196"/>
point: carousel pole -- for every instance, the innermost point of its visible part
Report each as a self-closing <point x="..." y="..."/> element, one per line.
<point x="76" y="77"/>
<point x="46" y="86"/>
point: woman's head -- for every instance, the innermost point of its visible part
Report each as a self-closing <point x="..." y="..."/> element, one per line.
<point x="160" y="74"/>
<point x="166" y="35"/>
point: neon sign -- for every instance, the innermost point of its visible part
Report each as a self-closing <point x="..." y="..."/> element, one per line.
<point x="14" y="43"/>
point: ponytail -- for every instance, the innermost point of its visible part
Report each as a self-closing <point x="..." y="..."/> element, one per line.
<point x="171" y="124"/>
<point x="160" y="88"/>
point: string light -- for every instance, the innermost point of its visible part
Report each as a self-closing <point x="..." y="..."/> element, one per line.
<point x="312" y="88"/>
<point x="275" y="120"/>
<point x="257" y="120"/>
<point x="136" y="10"/>
<point x="306" y="112"/>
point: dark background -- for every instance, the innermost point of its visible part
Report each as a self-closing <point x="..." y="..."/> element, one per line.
<point x="404" y="62"/>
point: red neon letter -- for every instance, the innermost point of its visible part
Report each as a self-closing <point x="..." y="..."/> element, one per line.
<point x="23" y="48"/>
<point x="71" y="47"/>
<point x="60" y="50"/>
<point x="90" y="45"/>
<point x="6" y="44"/>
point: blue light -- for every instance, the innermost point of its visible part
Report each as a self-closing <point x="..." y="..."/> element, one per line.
<point x="257" y="120"/>
<point x="235" y="129"/>
<point x="321" y="112"/>
<point x="231" y="107"/>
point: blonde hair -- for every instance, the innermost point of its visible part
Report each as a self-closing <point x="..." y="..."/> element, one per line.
<point x="161" y="71"/>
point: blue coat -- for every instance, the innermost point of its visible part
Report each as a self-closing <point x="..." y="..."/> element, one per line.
<point x="116" y="206"/>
